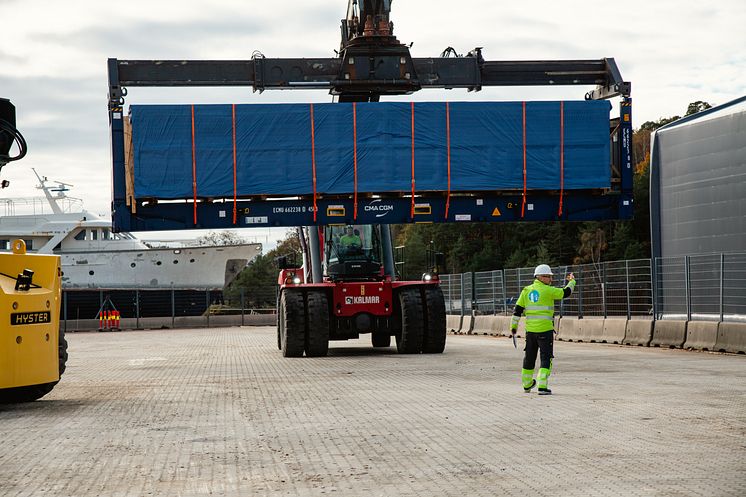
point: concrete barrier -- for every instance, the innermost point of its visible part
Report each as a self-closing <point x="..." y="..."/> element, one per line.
<point x="482" y="325"/>
<point x="613" y="331"/>
<point x="157" y="323"/>
<point x="502" y="326"/>
<point x="731" y="338"/>
<point x="701" y="335"/>
<point x="468" y="324"/>
<point x="569" y="329"/>
<point x="453" y="323"/>
<point x="639" y="332"/>
<point x="591" y="329"/>
<point x="669" y="333"/>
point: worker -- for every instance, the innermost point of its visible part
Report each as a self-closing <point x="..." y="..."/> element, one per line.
<point x="350" y="240"/>
<point x="537" y="303"/>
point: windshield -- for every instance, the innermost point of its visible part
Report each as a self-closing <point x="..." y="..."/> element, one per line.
<point x="357" y="242"/>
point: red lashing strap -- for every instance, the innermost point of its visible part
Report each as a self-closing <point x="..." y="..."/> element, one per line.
<point x="194" y="169"/>
<point x="234" y="164"/>
<point x="313" y="163"/>
<point x="354" y="139"/>
<point x="411" y="213"/>
<point x="562" y="156"/>
<point x="523" y="204"/>
<point x="448" y="149"/>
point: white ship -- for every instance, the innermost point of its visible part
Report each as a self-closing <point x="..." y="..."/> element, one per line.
<point x="92" y="256"/>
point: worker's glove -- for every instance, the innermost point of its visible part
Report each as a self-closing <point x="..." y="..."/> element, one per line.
<point x="570" y="277"/>
<point x="513" y="331"/>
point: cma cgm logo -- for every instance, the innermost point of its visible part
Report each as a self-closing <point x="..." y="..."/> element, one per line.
<point x="379" y="208"/>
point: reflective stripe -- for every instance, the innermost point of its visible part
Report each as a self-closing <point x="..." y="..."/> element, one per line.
<point x="539" y="308"/>
<point x="515" y="319"/>
<point x="543" y="378"/>
<point x="548" y="318"/>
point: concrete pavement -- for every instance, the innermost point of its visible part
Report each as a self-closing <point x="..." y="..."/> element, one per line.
<point x="220" y="412"/>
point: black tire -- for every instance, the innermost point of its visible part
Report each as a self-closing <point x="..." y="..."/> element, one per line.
<point x="277" y="306"/>
<point x="434" y="337"/>
<point x="35" y="392"/>
<point x="292" y="323"/>
<point x="381" y="339"/>
<point x="317" y="337"/>
<point x="409" y="338"/>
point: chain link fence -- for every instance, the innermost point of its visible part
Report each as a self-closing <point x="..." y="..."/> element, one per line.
<point x="85" y="305"/>
<point x="702" y="287"/>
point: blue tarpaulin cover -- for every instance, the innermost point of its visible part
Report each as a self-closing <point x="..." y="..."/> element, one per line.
<point x="274" y="148"/>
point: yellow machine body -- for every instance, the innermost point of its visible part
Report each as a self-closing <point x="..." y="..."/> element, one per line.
<point x="29" y="318"/>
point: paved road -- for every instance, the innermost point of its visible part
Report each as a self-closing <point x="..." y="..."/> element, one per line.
<point x="220" y="412"/>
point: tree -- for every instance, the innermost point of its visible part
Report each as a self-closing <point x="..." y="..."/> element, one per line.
<point x="697" y="106"/>
<point x="220" y="238"/>
<point x="258" y="281"/>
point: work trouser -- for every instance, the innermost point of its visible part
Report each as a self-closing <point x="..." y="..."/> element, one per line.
<point x="543" y="343"/>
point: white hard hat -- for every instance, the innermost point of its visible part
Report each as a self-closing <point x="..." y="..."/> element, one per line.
<point x="543" y="269"/>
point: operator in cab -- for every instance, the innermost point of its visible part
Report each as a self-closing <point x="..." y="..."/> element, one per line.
<point x="350" y="240"/>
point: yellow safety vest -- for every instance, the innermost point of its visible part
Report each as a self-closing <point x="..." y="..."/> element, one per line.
<point x="538" y="301"/>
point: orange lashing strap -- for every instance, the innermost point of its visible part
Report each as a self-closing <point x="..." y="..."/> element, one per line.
<point x="313" y="163"/>
<point x="412" y="209"/>
<point x="234" y="164"/>
<point x="354" y="140"/>
<point x="523" y="204"/>
<point x="448" y="152"/>
<point x="194" y="169"/>
<point x="562" y="156"/>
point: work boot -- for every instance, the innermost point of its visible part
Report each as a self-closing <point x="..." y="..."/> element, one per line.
<point x="528" y="390"/>
<point x="545" y="391"/>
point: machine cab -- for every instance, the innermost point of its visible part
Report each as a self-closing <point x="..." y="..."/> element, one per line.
<point x="353" y="252"/>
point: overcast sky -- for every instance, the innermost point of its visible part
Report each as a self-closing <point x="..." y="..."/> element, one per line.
<point x="53" y="59"/>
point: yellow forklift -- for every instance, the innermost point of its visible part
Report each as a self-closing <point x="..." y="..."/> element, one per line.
<point x="33" y="349"/>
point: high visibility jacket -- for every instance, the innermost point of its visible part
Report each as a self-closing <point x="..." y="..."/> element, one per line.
<point x="537" y="300"/>
<point x="350" y="241"/>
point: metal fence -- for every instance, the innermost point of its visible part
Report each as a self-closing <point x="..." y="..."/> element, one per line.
<point x="703" y="287"/>
<point x="81" y="304"/>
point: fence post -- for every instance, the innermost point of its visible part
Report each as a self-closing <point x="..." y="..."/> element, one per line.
<point x="137" y="309"/>
<point x="654" y="287"/>
<point x="562" y="302"/>
<point x="492" y="280"/>
<point x="505" y="292"/>
<point x="603" y="289"/>
<point x="450" y="293"/>
<point x="462" y="297"/>
<point x="242" y="305"/>
<point x="580" y="295"/>
<point x="473" y="292"/>
<point x="722" y="267"/>
<point x="687" y="289"/>
<point x="173" y="308"/>
<point x="626" y="279"/>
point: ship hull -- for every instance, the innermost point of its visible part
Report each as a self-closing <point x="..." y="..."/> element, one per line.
<point x="193" y="267"/>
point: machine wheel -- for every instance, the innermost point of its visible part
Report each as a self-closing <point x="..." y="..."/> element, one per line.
<point x="35" y="392"/>
<point x="434" y="337"/>
<point x="292" y="323"/>
<point x="317" y="338"/>
<point x="409" y="339"/>
<point x="277" y="306"/>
